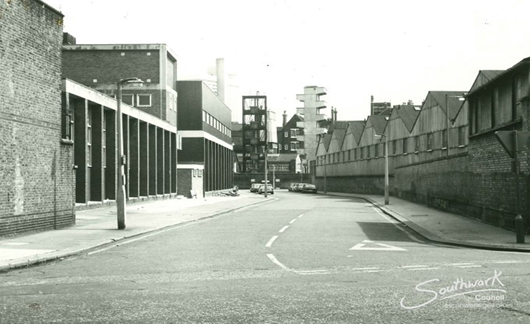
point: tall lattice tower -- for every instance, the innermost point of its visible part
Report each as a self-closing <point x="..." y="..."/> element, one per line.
<point x="254" y="133"/>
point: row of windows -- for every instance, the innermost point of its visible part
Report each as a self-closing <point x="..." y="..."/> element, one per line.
<point x="293" y="132"/>
<point x="138" y="100"/>
<point x="428" y="143"/>
<point x="294" y="146"/>
<point x="215" y="123"/>
<point x="497" y="105"/>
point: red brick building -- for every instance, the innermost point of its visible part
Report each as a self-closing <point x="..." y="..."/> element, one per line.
<point x="36" y="157"/>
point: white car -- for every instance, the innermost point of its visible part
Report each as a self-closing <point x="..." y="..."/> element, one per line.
<point x="270" y="189"/>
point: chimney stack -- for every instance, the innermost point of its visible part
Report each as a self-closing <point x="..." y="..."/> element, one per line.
<point x="284" y="118"/>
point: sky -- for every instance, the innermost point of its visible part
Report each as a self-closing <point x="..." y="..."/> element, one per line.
<point x="395" y="50"/>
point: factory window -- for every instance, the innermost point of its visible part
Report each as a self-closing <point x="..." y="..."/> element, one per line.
<point x="89" y="138"/>
<point x="286" y="134"/>
<point x="128" y="99"/>
<point x="143" y="100"/>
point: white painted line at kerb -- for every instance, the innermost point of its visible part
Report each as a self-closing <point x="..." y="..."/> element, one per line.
<point x="294" y="220"/>
<point x="278" y="263"/>
<point x="271" y="241"/>
<point x="284" y="228"/>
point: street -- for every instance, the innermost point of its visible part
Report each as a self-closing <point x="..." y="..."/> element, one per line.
<point x="301" y="258"/>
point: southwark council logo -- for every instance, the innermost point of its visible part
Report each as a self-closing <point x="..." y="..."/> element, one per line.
<point x="489" y="289"/>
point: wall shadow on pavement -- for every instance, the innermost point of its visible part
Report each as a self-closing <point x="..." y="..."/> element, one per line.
<point x="383" y="231"/>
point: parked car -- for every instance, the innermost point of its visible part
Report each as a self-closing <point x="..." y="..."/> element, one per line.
<point x="270" y="189"/>
<point x="292" y="186"/>
<point x="299" y="187"/>
<point x="255" y="187"/>
<point x="309" y="188"/>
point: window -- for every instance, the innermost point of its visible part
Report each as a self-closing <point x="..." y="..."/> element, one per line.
<point x="294" y="132"/>
<point x="430" y="141"/>
<point x="349" y="155"/>
<point x="128" y="99"/>
<point x="89" y="138"/>
<point x="405" y="146"/>
<point x="461" y="135"/>
<point x="286" y="134"/>
<point x="143" y="100"/>
<point x="417" y="143"/>
<point x="444" y="139"/>
<point x="286" y="147"/>
<point x="394" y="147"/>
<point x="204" y="118"/>
<point x="377" y="147"/>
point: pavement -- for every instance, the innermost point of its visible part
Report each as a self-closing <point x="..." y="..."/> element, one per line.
<point x="96" y="228"/>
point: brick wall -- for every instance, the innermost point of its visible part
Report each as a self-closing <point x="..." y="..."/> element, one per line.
<point x="36" y="177"/>
<point x="109" y="66"/>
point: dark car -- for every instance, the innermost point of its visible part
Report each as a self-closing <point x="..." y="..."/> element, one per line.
<point x="298" y="187"/>
<point x="311" y="188"/>
<point x="255" y="187"/>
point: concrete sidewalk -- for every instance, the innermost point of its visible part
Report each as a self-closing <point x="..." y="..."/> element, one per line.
<point x="97" y="227"/>
<point x="442" y="227"/>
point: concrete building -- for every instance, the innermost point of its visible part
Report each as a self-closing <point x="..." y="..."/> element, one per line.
<point x="36" y="151"/>
<point x="207" y="155"/>
<point x="313" y="119"/>
<point x="150" y="146"/>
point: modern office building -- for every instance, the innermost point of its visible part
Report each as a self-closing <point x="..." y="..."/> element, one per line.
<point x="204" y="124"/>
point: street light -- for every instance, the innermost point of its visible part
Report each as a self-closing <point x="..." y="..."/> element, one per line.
<point x="386" y="167"/>
<point x="120" y="199"/>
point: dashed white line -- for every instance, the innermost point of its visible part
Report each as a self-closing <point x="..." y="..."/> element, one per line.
<point x="284" y="228"/>
<point x="363" y="269"/>
<point x="508" y="261"/>
<point x="471" y="266"/>
<point x="420" y="269"/>
<point x="299" y="216"/>
<point x="271" y="241"/>
<point x="460" y="264"/>
<point x="294" y="220"/>
<point x="414" y="266"/>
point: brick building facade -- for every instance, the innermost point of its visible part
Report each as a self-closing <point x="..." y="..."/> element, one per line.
<point x="36" y="158"/>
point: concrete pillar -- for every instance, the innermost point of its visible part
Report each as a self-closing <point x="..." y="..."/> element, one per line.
<point x="97" y="185"/>
<point x="111" y="143"/>
<point x="167" y="163"/>
<point x="80" y="110"/>
<point x="134" y="157"/>
<point x="152" y="160"/>
<point x="160" y="160"/>
<point x="174" y="163"/>
<point x="126" y="150"/>
<point x="144" y="159"/>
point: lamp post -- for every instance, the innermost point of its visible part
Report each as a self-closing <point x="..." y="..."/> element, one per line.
<point x="266" y="171"/>
<point x="120" y="199"/>
<point x="386" y="169"/>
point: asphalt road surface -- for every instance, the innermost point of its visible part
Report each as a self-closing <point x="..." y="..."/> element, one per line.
<point x="301" y="258"/>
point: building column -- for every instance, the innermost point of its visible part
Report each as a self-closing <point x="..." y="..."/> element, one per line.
<point x="134" y="158"/>
<point x="167" y="163"/>
<point x="80" y="111"/>
<point x="111" y="154"/>
<point x="160" y="160"/>
<point x="126" y="150"/>
<point x="144" y="159"/>
<point x="97" y="178"/>
<point x="174" y="163"/>
<point x="152" y="160"/>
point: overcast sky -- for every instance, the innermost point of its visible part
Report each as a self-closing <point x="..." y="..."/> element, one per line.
<point x="395" y="50"/>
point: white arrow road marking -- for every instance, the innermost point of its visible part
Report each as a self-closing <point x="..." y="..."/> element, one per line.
<point x="381" y="247"/>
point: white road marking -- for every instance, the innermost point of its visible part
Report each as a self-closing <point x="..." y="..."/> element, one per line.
<point x="380" y="247"/>
<point x="294" y="220"/>
<point x="471" y="266"/>
<point x="271" y="241"/>
<point x="312" y="272"/>
<point x="15" y="243"/>
<point x="363" y="269"/>
<point x="278" y="263"/>
<point x="508" y="261"/>
<point x="299" y="216"/>
<point x="460" y="264"/>
<point x="284" y="228"/>
<point x="420" y="269"/>
<point x="414" y="266"/>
